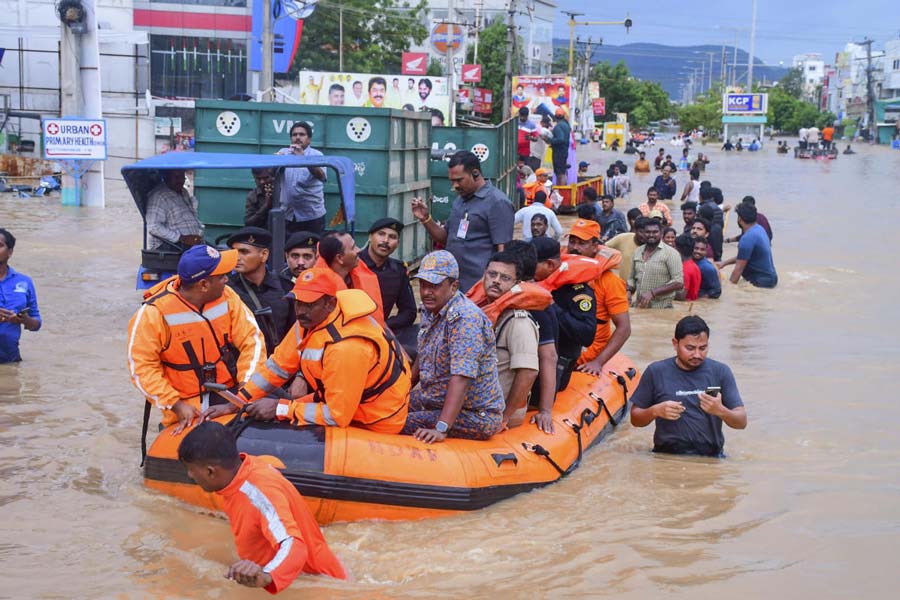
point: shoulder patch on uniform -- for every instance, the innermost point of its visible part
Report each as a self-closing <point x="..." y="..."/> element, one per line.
<point x="519" y="314"/>
<point x="585" y="302"/>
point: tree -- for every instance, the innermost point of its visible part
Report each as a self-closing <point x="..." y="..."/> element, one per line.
<point x="376" y="34"/>
<point x="492" y="52"/>
<point x="792" y="83"/>
<point x="644" y="101"/>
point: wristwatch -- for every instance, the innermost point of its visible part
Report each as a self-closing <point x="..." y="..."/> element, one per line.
<point x="442" y="427"/>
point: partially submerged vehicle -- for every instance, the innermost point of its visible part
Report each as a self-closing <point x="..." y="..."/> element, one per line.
<point x="141" y="177"/>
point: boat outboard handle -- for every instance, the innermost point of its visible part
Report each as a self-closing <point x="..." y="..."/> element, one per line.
<point x="223" y="391"/>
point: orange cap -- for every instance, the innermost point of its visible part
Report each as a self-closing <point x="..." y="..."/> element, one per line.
<point x="560" y="111"/>
<point x="542" y="171"/>
<point x="314" y="283"/>
<point x="586" y="229"/>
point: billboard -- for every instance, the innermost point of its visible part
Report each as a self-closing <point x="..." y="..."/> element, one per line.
<point x="744" y="104"/>
<point x="368" y="90"/>
<point x="542" y="94"/>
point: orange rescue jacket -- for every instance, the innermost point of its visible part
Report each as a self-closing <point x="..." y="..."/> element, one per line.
<point x="522" y="296"/>
<point x="273" y="527"/>
<point x="362" y="278"/>
<point x="356" y="369"/>
<point x="170" y="341"/>
<point x="581" y="269"/>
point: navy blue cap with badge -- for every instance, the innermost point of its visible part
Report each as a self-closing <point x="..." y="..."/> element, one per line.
<point x="254" y="236"/>
<point x="547" y="248"/>
<point x="302" y="239"/>
<point x="387" y="223"/>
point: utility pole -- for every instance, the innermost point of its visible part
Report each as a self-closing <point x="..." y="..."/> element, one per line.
<point x="870" y="94"/>
<point x="734" y="61"/>
<point x="709" y="85"/>
<point x="341" y="38"/>
<point x="451" y="29"/>
<point x="266" y="81"/>
<point x="752" y="44"/>
<point x="510" y="44"/>
<point x="572" y="23"/>
<point x="722" y="72"/>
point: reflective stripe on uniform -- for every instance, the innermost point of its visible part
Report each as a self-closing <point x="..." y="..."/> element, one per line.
<point x="260" y="382"/>
<point x="264" y="506"/>
<point x="131" y="365"/>
<point x="309" y="412"/>
<point x="186" y="317"/>
<point x="276" y="369"/>
<point x="258" y="343"/>
<point x="326" y="414"/>
<point x="312" y="353"/>
<point x="279" y="557"/>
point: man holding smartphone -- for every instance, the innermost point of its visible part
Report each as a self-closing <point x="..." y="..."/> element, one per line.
<point x="18" y="302"/>
<point x="689" y="396"/>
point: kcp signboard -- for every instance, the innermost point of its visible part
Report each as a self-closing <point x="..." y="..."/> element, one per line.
<point x="744" y="104"/>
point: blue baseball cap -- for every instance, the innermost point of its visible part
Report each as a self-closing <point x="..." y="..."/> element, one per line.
<point x="202" y="261"/>
<point x="438" y="266"/>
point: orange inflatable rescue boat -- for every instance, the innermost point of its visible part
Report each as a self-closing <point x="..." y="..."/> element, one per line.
<point x="354" y="474"/>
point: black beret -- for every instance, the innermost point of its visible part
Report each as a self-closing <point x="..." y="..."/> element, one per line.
<point x="386" y="222"/>
<point x="301" y="239"/>
<point x="546" y="247"/>
<point x="255" y="236"/>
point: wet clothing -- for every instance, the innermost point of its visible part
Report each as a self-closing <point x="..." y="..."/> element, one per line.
<point x="642" y="166"/>
<point x="302" y="195"/>
<point x="268" y="294"/>
<point x="170" y="215"/>
<point x="458" y="340"/>
<point x="355" y="370"/>
<point x="756" y="249"/>
<point x="661" y="268"/>
<point x="173" y="348"/>
<point x="393" y="281"/>
<point x="624" y="243"/>
<point x="695" y="432"/>
<point x="663" y="210"/>
<point x="692" y="278"/>
<point x="16" y="294"/>
<point x="666" y="189"/>
<point x="710" y="285"/>
<point x="256" y="212"/>
<point x="476" y="225"/>
<point x="612" y="224"/>
<point x="611" y="299"/>
<point x="273" y="526"/>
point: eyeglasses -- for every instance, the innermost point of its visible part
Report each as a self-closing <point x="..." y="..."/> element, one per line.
<point x="501" y="276"/>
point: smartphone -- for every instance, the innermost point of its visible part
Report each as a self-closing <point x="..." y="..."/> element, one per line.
<point x="22" y="313"/>
<point x="713" y="390"/>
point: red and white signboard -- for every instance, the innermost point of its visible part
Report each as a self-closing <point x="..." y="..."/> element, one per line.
<point x="482" y="100"/>
<point x="414" y="63"/>
<point x="471" y="73"/>
<point x="462" y="95"/>
<point x="74" y="139"/>
<point x="599" y="105"/>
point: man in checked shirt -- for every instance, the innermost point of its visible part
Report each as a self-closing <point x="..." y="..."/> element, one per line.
<point x="171" y="214"/>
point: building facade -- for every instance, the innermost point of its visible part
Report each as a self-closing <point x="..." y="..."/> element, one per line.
<point x="812" y="69"/>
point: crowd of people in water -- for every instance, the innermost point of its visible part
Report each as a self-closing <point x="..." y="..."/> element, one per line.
<point x="337" y="339"/>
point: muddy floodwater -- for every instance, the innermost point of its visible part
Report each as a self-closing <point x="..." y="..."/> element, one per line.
<point x="807" y="504"/>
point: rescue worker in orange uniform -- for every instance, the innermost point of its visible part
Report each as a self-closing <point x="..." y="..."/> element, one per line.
<point x="193" y="329"/>
<point x="276" y="535"/>
<point x="356" y="370"/>
<point x="540" y="184"/>
<point x="338" y="251"/>
<point x="610" y="297"/>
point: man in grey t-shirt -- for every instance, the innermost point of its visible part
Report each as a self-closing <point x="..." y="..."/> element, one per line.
<point x="480" y="223"/>
<point x="673" y="392"/>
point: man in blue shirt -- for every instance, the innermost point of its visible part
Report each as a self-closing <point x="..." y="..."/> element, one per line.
<point x="18" y="302"/>
<point x="710" y="286"/>
<point x="302" y="189"/>
<point x="754" y="257"/>
<point x="689" y="396"/>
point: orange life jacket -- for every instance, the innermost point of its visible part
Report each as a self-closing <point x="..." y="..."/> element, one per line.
<point x="362" y="278"/>
<point x="581" y="269"/>
<point x="384" y="399"/>
<point x="197" y="342"/>
<point x="522" y="296"/>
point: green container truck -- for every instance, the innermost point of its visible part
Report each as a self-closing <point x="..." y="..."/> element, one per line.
<point x="494" y="146"/>
<point x="390" y="150"/>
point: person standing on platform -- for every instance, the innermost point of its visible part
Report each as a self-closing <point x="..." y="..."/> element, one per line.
<point x="303" y="189"/>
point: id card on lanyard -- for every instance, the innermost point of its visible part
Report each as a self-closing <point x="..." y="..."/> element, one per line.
<point x="463" y="227"/>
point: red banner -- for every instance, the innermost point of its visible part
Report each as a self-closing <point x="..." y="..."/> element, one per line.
<point x="599" y="105"/>
<point x="482" y="100"/>
<point x="471" y="73"/>
<point x="414" y="63"/>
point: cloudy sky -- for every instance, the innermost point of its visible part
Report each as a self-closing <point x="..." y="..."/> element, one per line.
<point x="783" y="27"/>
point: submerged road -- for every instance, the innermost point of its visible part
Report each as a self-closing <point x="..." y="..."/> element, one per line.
<point x="805" y="506"/>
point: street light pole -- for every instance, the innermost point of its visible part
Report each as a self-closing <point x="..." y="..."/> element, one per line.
<point x="572" y="23"/>
<point x="752" y="43"/>
<point x="266" y="81"/>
